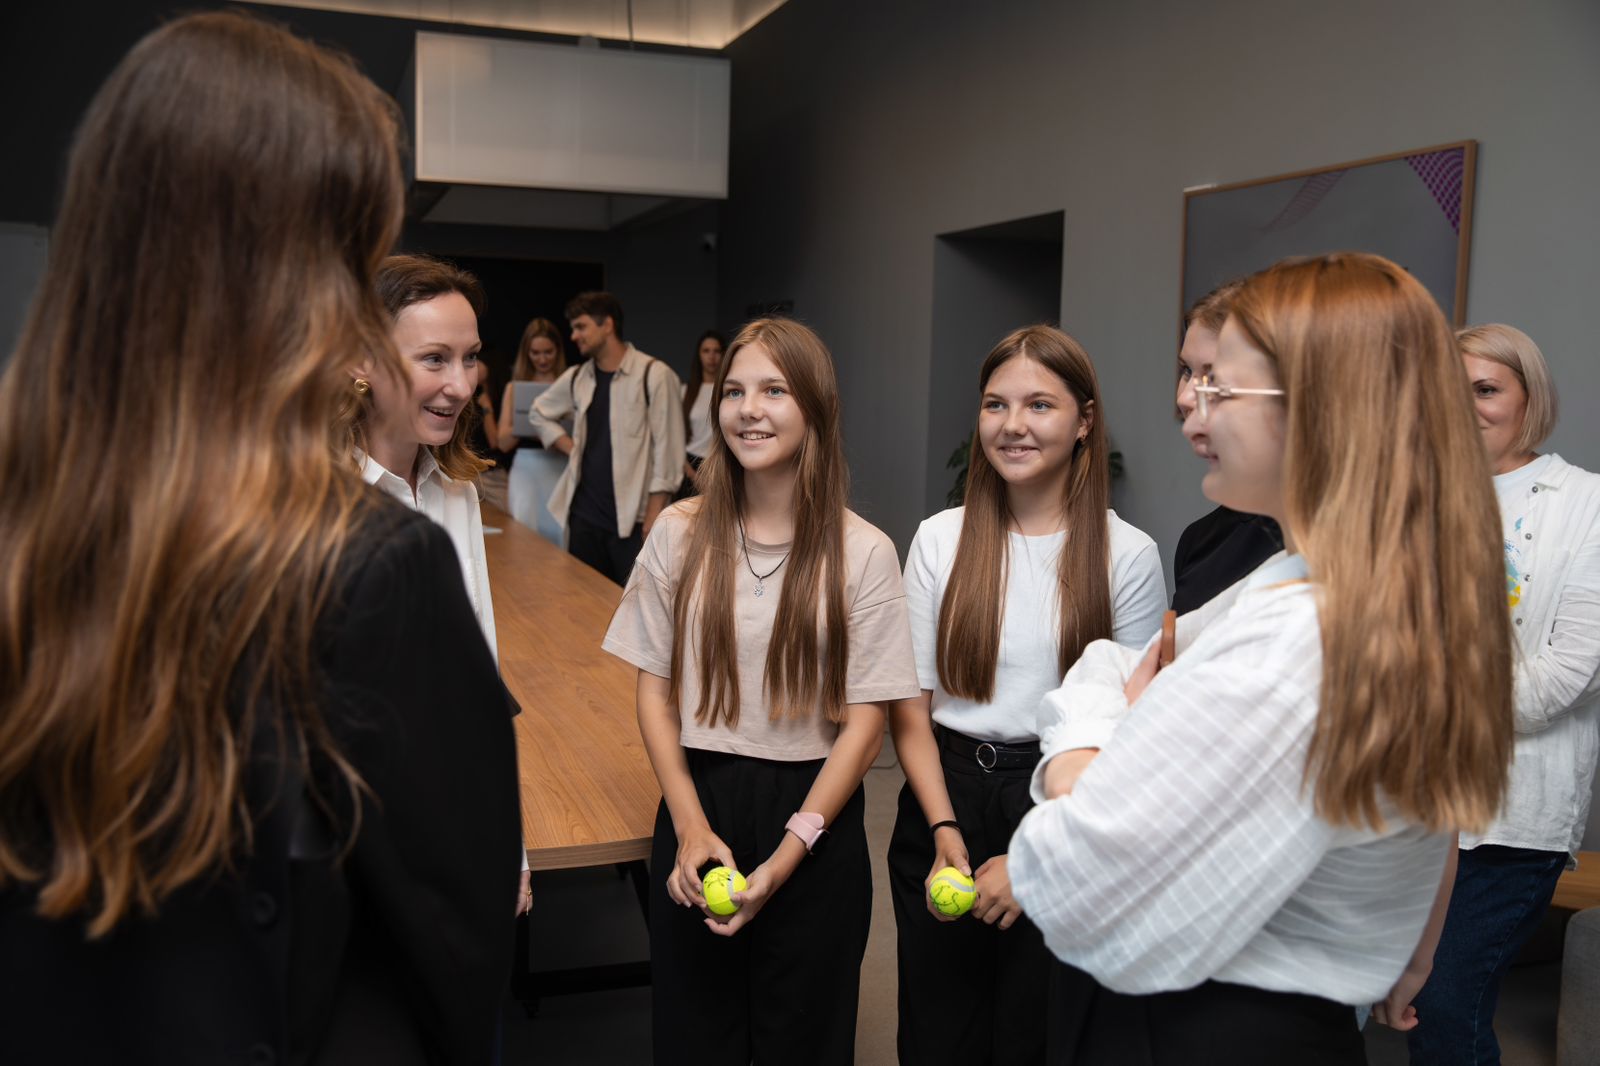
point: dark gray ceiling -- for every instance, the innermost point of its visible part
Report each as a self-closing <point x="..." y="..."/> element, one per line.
<point x="54" y="54"/>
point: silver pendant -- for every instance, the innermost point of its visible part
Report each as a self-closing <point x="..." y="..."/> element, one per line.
<point x="760" y="588"/>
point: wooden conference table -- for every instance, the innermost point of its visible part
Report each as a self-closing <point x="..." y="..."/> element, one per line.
<point x="1580" y="889"/>
<point x="588" y="794"/>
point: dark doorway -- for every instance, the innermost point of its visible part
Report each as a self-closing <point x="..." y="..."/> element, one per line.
<point x="520" y="290"/>
<point x="987" y="282"/>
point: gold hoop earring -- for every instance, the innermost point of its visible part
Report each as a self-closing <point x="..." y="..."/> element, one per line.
<point x="362" y="386"/>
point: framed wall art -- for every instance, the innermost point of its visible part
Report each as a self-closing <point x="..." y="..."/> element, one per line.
<point x="1412" y="207"/>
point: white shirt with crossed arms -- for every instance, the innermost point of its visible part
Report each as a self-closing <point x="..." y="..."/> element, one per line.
<point x="1189" y="850"/>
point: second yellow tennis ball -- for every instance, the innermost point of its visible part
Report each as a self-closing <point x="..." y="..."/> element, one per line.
<point x="952" y="892"/>
<point x="719" y="885"/>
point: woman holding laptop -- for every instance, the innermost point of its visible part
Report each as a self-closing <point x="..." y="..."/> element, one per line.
<point x="541" y="358"/>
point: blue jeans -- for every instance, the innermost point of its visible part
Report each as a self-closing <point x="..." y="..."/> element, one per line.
<point x="1500" y="895"/>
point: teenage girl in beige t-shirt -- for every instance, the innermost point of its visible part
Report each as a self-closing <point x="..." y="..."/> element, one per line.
<point x="769" y="628"/>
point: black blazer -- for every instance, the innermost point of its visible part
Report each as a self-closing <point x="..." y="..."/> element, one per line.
<point x="398" y="954"/>
<point x="1217" y="550"/>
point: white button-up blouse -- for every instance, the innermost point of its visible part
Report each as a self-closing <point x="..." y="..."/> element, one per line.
<point x="1551" y="513"/>
<point x="454" y="505"/>
<point x="1190" y="850"/>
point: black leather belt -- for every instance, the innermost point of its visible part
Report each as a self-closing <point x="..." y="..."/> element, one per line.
<point x="989" y="755"/>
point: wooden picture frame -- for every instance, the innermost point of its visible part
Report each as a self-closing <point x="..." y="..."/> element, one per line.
<point x="1414" y="207"/>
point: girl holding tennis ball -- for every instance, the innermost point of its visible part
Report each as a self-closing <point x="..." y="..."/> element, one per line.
<point x="769" y="627"/>
<point x="1003" y="593"/>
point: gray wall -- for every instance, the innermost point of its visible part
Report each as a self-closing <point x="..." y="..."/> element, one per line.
<point x="23" y="253"/>
<point x="863" y="130"/>
<point x="982" y="290"/>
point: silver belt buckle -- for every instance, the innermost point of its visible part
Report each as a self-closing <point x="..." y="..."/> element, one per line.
<point x="994" y="757"/>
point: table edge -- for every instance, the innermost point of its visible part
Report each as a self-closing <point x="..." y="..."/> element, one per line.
<point x="599" y="853"/>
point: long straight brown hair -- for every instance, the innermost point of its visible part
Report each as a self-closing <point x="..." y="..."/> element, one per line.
<point x="1389" y="497"/>
<point x="800" y="676"/>
<point x="228" y="197"/>
<point x="970" y="615"/>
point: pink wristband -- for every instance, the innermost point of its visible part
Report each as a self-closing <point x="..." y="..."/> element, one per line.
<point x="808" y="827"/>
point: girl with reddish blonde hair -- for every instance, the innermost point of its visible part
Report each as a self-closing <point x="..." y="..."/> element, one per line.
<point x="1255" y="838"/>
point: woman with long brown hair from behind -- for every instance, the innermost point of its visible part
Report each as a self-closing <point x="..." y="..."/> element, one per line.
<point x="769" y="628"/>
<point x="1003" y="593"/>
<point x="227" y="792"/>
<point x="1260" y="845"/>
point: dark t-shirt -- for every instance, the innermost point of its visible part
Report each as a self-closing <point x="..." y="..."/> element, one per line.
<point x="1218" y="550"/>
<point x="595" y="502"/>
<point x="479" y="440"/>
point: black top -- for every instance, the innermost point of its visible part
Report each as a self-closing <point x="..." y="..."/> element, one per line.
<point x="595" y="502"/>
<point x="399" y="954"/>
<point x="479" y="438"/>
<point x="1218" y="550"/>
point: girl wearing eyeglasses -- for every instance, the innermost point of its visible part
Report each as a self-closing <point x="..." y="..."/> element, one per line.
<point x="1223" y="546"/>
<point x="1259" y="843"/>
<point x="1004" y="593"/>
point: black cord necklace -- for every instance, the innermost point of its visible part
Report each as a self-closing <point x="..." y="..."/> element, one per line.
<point x="744" y="543"/>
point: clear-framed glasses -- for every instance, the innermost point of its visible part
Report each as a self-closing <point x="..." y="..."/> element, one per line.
<point x="1208" y="392"/>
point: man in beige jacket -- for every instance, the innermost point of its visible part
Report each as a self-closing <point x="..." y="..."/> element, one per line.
<point x="625" y="454"/>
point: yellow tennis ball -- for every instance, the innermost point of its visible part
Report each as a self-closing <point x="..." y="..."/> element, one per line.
<point x="719" y="886"/>
<point x="952" y="892"/>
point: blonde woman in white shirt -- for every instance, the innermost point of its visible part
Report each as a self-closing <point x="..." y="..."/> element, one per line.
<point x="413" y="436"/>
<point x="1003" y="594"/>
<point x="1550" y="515"/>
<point x="1261" y="844"/>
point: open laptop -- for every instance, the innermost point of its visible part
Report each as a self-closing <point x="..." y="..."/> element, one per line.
<point x="523" y="393"/>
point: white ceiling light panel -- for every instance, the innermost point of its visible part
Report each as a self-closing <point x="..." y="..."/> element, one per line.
<point x="495" y="111"/>
<point x="708" y="24"/>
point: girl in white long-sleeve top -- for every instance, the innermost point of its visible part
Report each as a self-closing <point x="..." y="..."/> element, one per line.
<point x="1262" y="842"/>
<point x="1550" y="513"/>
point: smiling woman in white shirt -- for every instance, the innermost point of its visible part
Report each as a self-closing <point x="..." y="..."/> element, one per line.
<point x="1260" y="845"/>
<point x="413" y="436"/>
<point x="1550" y="513"/>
